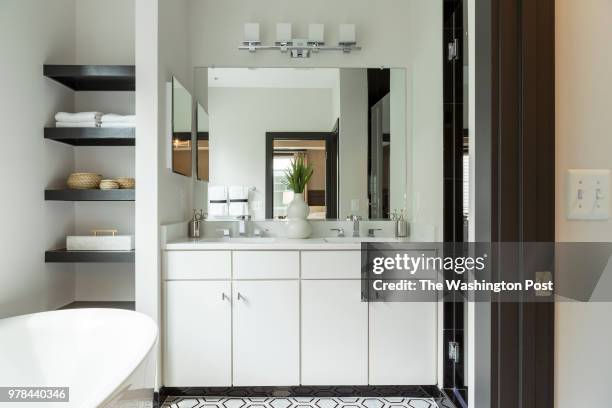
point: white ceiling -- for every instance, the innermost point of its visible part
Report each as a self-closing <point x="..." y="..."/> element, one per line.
<point x="315" y="78"/>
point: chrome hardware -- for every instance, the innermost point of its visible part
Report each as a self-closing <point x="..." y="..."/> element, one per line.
<point x="372" y="232"/>
<point x="355" y="219"/>
<point x="239" y="297"/>
<point x="453" y="50"/>
<point x="454" y="352"/>
<point x="340" y="232"/>
<point x="224" y="296"/>
<point x="224" y="232"/>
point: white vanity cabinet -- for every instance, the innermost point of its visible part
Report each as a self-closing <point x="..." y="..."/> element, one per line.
<point x="241" y="317"/>
<point x="334" y="333"/>
<point x="197" y="338"/>
<point x="266" y="333"/>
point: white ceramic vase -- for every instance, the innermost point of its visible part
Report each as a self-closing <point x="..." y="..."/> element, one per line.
<point x="297" y="227"/>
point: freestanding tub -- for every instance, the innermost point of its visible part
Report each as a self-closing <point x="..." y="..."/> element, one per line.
<point x="105" y="356"/>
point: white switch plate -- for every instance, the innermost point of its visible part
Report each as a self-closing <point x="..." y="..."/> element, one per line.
<point x="588" y="194"/>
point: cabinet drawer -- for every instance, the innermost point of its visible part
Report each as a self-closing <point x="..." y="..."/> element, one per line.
<point x="331" y="265"/>
<point x="266" y="265"/>
<point x="198" y="265"/>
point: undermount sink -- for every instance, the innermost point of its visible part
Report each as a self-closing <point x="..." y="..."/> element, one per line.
<point x="358" y="240"/>
<point x="253" y="240"/>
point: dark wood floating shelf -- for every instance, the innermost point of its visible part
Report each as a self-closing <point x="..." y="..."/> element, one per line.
<point x="90" y="195"/>
<point x="92" y="136"/>
<point x="64" y="256"/>
<point x="100" y="305"/>
<point x="93" y="77"/>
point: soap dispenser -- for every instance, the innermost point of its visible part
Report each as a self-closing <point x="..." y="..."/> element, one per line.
<point x="401" y="224"/>
<point x="195" y="224"/>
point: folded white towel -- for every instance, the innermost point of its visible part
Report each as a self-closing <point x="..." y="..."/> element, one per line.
<point x="117" y="125"/>
<point x="78" y="117"/>
<point x="238" y="209"/>
<point x="217" y="193"/>
<point x="238" y="193"/>
<point x="77" y="124"/>
<point x="113" y="117"/>
<point x="216" y="210"/>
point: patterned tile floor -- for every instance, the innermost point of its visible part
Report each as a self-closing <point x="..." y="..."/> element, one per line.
<point x="298" y="402"/>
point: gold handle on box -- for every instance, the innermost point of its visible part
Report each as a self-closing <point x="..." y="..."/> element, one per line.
<point x="98" y="232"/>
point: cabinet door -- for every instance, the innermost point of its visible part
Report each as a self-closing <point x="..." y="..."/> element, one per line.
<point x="334" y="333"/>
<point x="198" y="334"/>
<point x="403" y="343"/>
<point x="266" y="333"/>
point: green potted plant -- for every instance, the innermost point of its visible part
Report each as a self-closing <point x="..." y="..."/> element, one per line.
<point x="297" y="177"/>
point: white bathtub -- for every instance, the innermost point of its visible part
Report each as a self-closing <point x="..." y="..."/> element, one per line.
<point x="105" y="356"/>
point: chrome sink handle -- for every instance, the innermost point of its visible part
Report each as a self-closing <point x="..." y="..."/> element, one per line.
<point x="372" y="232"/>
<point x="340" y="232"/>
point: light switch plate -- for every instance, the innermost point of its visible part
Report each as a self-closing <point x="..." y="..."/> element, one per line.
<point x="588" y="194"/>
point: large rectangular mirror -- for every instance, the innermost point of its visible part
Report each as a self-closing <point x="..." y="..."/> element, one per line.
<point x="182" y="147"/>
<point x="349" y="124"/>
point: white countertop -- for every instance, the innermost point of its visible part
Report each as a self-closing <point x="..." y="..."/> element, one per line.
<point x="274" y="244"/>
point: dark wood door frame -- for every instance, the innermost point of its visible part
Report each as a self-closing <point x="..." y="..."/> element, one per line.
<point x="515" y="115"/>
<point x="331" y="164"/>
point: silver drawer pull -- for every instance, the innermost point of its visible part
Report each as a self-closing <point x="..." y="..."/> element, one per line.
<point x="240" y="296"/>
<point x="224" y="296"/>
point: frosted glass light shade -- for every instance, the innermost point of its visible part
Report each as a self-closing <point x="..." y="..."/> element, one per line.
<point x="316" y="33"/>
<point x="251" y="33"/>
<point x="283" y="33"/>
<point x="347" y="34"/>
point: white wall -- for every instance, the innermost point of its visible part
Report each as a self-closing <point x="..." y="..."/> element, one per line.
<point x="161" y="38"/>
<point x="402" y="34"/>
<point x="105" y="32"/>
<point x="33" y="33"/>
<point x="176" y="191"/>
<point x="238" y="125"/>
<point x="584" y="140"/>
<point x="98" y="42"/>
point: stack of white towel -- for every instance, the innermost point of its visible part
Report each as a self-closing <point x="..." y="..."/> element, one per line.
<point x="113" y="120"/>
<point x="94" y="119"/>
<point x="80" y="119"/>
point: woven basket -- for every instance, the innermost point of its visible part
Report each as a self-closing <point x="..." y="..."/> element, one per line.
<point x="109" y="185"/>
<point x="126" y="182"/>
<point x="83" y="181"/>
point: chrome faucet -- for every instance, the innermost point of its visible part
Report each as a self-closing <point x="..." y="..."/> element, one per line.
<point x="355" y="219"/>
<point x="340" y="232"/>
<point x="242" y="224"/>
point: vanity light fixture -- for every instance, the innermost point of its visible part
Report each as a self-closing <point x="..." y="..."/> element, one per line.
<point x="251" y="36"/>
<point x="283" y="35"/>
<point x="300" y="48"/>
<point x="316" y="35"/>
<point x="347" y="35"/>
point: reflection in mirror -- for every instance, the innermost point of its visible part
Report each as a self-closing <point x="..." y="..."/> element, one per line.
<point x="202" y="145"/>
<point x="349" y="123"/>
<point x="181" y="129"/>
<point x="317" y="150"/>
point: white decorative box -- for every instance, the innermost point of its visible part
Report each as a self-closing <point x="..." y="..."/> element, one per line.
<point x="97" y="242"/>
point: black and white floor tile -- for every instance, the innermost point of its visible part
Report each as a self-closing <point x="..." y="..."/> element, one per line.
<point x="299" y="402"/>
